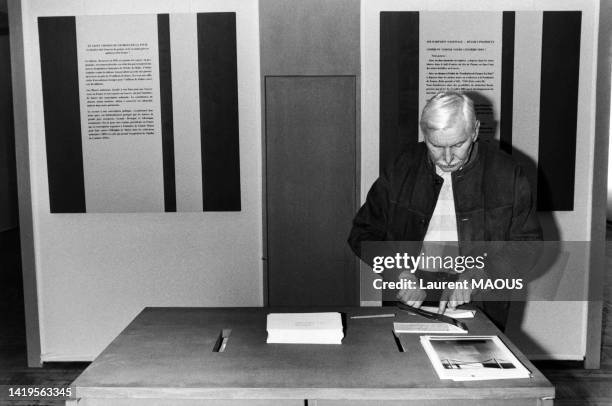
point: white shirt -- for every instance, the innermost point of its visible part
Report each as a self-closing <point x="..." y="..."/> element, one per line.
<point x="443" y="224"/>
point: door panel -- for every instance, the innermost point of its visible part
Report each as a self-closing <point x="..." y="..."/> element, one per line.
<point x="310" y="190"/>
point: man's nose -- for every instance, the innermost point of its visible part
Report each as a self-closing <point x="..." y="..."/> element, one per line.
<point x="448" y="155"/>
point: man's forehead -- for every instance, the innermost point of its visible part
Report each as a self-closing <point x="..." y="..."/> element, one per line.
<point x="450" y="135"/>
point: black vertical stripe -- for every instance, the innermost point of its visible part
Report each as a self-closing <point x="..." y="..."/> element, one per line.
<point x="399" y="83"/>
<point x="218" y="78"/>
<point x="60" y="86"/>
<point x="167" y="125"/>
<point x="558" y="109"/>
<point x="507" y="81"/>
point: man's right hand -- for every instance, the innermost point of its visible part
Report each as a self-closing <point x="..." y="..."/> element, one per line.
<point x="412" y="297"/>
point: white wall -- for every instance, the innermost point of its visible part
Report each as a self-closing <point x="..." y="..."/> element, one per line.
<point x="609" y="212"/>
<point x="538" y="332"/>
<point x="95" y="272"/>
<point x="606" y="19"/>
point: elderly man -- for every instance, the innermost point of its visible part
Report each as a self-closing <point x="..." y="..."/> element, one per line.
<point x="450" y="188"/>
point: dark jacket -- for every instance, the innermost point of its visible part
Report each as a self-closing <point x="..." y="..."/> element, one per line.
<point x="493" y="200"/>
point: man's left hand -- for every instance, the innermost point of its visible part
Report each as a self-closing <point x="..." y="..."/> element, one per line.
<point x="453" y="298"/>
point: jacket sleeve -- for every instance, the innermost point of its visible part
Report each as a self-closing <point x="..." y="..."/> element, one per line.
<point x="525" y="225"/>
<point x="515" y="259"/>
<point x="370" y="223"/>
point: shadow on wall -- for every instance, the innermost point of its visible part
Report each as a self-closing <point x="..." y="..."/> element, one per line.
<point x="484" y="108"/>
<point x="8" y="176"/>
<point x="484" y="111"/>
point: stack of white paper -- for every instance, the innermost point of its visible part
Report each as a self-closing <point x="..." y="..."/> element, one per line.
<point x="304" y="328"/>
<point x="455" y="314"/>
<point x="472" y="358"/>
<point x="428" y="328"/>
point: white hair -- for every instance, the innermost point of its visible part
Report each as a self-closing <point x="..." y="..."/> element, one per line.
<point x="443" y="109"/>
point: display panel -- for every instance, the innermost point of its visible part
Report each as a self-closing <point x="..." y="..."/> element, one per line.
<point x="116" y="139"/>
<point x="480" y="53"/>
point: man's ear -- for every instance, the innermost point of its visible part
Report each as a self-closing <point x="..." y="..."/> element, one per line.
<point x="476" y="129"/>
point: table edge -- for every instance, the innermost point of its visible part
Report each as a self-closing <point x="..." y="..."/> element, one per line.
<point x="535" y="392"/>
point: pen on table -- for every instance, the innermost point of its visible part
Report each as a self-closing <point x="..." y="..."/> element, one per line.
<point x="225" y="336"/>
<point x="398" y="341"/>
<point x="373" y="316"/>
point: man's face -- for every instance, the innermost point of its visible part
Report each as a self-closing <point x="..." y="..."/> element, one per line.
<point x="450" y="148"/>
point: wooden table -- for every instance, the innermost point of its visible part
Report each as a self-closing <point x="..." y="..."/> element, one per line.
<point x="165" y="357"/>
